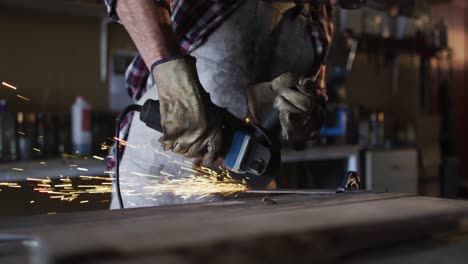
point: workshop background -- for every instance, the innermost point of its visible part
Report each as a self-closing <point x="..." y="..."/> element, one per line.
<point x="396" y="81"/>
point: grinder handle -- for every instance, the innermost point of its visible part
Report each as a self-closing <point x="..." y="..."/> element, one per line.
<point x="272" y="122"/>
<point x="151" y="115"/>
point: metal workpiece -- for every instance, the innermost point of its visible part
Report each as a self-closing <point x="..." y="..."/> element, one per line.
<point x="293" y="191"/>
<point x="351" y="183"/>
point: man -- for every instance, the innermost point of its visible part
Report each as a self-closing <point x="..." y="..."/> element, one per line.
<point x="262" y="45"/>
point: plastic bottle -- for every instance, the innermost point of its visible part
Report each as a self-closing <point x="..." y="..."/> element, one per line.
<point x="81" y="127"/>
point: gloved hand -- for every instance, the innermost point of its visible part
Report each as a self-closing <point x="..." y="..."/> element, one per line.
<point x="298" y="100"/>
<point x="191" y="122"/>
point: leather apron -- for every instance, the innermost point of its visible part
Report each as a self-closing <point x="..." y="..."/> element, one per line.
<point x="256" y="43"/>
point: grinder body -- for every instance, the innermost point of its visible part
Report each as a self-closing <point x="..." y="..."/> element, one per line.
<point x="250" y="153"/>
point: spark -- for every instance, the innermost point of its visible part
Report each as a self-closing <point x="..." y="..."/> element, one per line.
<point x="36" y="149"/>
<point x="197" y="186"/>
<point x="39" y="180"/>
<point x="88" y="186"/>
<point x="31" y="202"/>
<point x="192" y="181"/>
<point x="160" y="153"/>
<point x="167" y="174"/>
<point x="9" y="85"/>
<point x="84" y="201"/>
<point x="63" y="185"/>
<point x="98" y="158"/>
<point x="51" y="213"/>
<point x="34" y="179"/>
<point x="69" y="156"/>
<point x="144" y="175"/>
<point x="68" y="192"/>
<point x="197" y="182"/>
<point x="17" y="169"/>
<point x="123" y="142"/>
<point x="43" y="163"/>
<point x="188" y="169"/>
<point x="96" y="178"/>
<point x="104" y="146"/>
<point x="22" y="97"/>
<point x="73" y="165"/>
<point x="21" y="133"/>
<point x="10" y="184"/>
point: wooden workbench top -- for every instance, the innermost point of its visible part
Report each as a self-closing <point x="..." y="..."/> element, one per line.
<point x="298" y="227"/>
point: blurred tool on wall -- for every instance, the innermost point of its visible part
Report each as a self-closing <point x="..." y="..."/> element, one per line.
<point x="337" y="122"/>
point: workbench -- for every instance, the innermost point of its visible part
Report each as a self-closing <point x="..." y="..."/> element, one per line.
<point x="356" y="227"/>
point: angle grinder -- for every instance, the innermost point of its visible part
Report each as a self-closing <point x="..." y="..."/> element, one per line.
<point x="252" y="152"/>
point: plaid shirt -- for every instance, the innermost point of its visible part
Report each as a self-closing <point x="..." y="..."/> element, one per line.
<point x="194" y="20"/>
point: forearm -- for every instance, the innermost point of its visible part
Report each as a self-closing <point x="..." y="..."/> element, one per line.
<point x="149" y="26"/>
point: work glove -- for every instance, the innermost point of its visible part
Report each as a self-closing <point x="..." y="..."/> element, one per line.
<point x="299" y="102"/>
<point x="191" y="122"/>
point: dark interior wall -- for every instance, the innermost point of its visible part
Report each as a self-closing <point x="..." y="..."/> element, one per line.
<point x="464" y="117"/>
<point x="454" y="14"/>
<point x="370" y="84"/>
<point x="53" y="58"/>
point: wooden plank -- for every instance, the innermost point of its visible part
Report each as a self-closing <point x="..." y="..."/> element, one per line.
<point x="244" y="201"/>
<point x="297" y="227"/>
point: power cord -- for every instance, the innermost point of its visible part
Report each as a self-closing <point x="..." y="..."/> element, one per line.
<point x="118" y="121"/>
